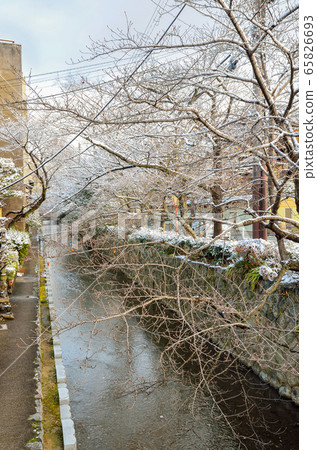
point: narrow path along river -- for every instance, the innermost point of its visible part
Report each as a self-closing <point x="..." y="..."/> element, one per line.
<point x="120" y="396"/>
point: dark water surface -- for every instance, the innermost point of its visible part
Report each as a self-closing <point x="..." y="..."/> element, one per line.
<point x="122" y="399"/>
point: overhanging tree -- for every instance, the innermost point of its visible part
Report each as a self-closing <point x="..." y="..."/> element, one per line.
<point x="227" y="102"/>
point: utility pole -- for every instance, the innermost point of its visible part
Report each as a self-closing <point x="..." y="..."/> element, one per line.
<point x="259" y="185"/>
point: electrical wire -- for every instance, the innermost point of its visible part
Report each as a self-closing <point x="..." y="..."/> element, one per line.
<point x="92" y="86"/>
<point x="71" y="69"/>
<point x="92" y="68"/>
<point x="102" y="109"/>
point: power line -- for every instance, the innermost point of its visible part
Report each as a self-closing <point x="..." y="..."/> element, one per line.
<point x="97" y="67"/>
<point x="76" y="70"/>
<point x="92" y="86"/>
<point x="152" y="17"/>
<point x="58" y="71"/>
<point x="102" y="109"/>
<point x="155" y="17"/>
<point x="91" y="68"/>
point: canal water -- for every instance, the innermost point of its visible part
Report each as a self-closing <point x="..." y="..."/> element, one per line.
<point x="121" y="398"/>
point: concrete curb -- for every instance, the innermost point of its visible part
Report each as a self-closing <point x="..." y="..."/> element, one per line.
<point x="37" y="418"/>
<point x="68" y="428"/>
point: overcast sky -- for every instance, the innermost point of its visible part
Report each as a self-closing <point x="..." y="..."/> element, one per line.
<point x="52" y="32"/>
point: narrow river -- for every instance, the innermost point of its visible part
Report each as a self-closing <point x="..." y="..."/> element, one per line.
<point x="120" y="396"/>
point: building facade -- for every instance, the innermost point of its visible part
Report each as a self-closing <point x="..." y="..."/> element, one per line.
<point x="11" y="95"/>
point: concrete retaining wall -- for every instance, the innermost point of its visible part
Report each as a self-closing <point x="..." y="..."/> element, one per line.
<point x="267" y="342"/>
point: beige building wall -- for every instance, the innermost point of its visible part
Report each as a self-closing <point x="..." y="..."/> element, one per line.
<point x="11" y="94"/>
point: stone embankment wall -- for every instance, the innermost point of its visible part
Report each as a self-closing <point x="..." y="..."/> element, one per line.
<point x="266" y="341"/>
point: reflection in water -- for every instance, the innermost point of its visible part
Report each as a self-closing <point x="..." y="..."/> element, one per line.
<point x="122" y="399"/>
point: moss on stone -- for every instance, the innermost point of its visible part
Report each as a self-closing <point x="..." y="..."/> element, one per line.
<point x="53" y="437"/>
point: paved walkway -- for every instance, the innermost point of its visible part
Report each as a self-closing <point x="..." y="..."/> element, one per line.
<point x="17" y="384"/>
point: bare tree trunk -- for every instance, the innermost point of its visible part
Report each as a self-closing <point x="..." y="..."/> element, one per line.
<point x="217" y="209"/>
<point x="216" y="193"/>
<point x="259" y="191"/>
